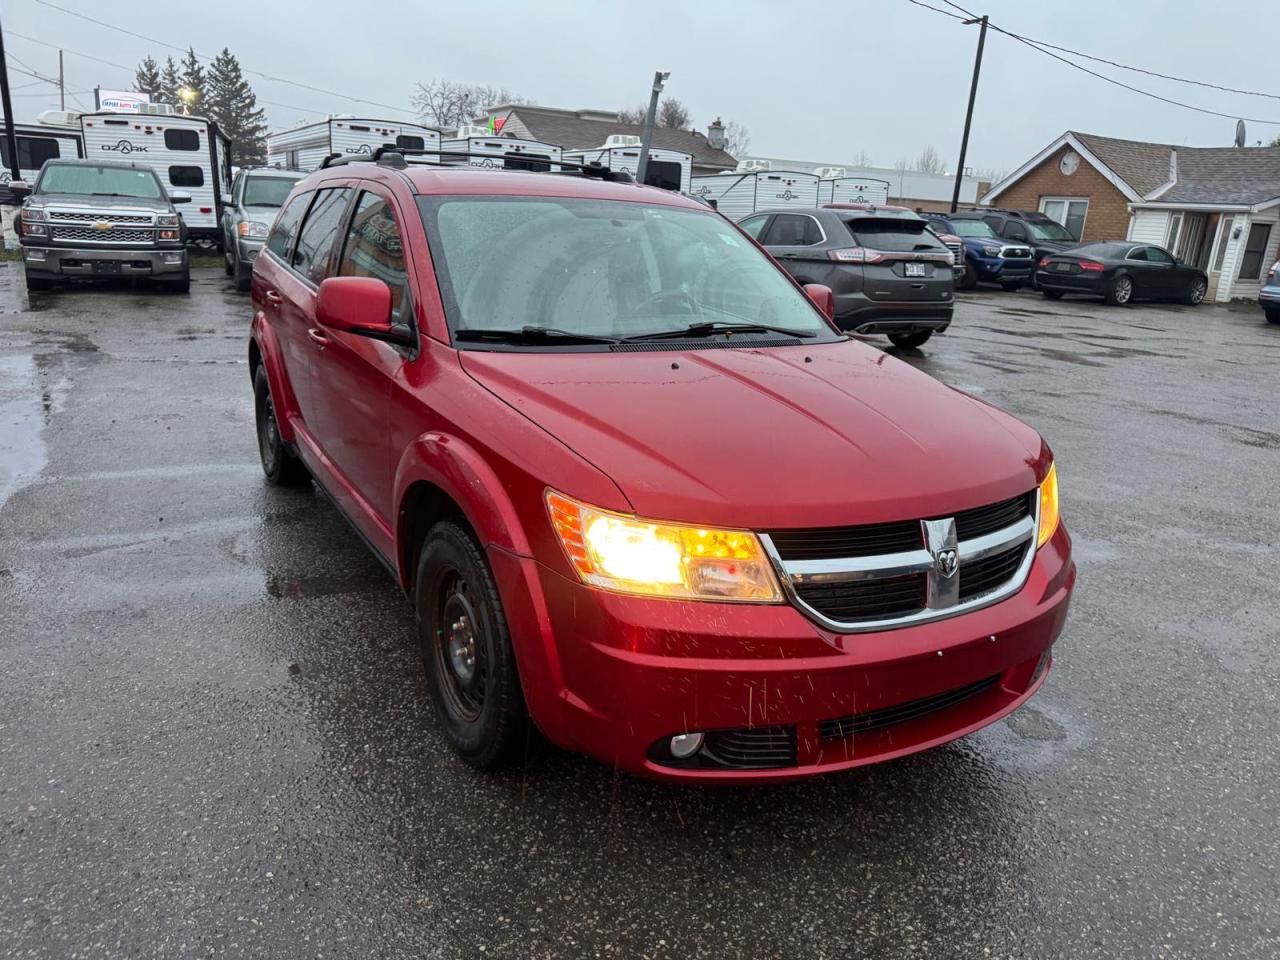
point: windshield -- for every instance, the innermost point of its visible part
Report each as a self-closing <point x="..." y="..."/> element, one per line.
<point x="99" y="181"/>
<point x="267" y="191"/>
<point x="1048" y="230"/>
<point x="973" y="228"/>
<point x="898" y="235"/>
<point x="603" y="268"/>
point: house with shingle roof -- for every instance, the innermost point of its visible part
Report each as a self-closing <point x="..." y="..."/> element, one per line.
<point x="1217" y="208"/>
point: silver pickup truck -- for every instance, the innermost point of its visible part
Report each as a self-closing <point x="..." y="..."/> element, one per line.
<point x="86" y="218"/>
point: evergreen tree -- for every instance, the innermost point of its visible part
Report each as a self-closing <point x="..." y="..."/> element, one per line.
<point x="233" y="104"/>
<point x="193" y="78"/>
<point x="146" y="79"/>
<point x="170" y="81"/>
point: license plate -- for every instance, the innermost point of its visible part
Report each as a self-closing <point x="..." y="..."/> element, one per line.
<point x="915" y="270"/>
<point x="1062" y="267"/>
<point x="106" y="266"/>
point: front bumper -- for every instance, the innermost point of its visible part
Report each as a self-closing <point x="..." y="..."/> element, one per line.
<point x="248" y="250"/>
<point x="617" y="676"/>
<point x="998" y="270"/>
<point x="54" y="262"/>
<point x="1269" y="296"/>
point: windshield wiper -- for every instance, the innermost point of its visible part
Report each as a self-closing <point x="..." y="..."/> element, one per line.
<point x="130" y="195"/>
<point x="529" y="334"/>
<point x="712" y="327"/>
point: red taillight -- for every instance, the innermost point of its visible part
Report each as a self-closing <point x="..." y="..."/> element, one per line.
<point x="1044" y="263"/>
<point x="1091" y="267"/>
<point x="206" y="209"/>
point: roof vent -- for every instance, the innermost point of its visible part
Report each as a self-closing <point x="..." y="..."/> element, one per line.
<point x="621" y="140"/>
<point x="468" y="130"/>
<point x="158" y="109"/>
<point x="58" y="118"/>
<point x="829" y="173"/>
<point x="753" y="166"/>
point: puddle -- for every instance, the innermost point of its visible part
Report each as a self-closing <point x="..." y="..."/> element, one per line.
<point x="25" y="406"/>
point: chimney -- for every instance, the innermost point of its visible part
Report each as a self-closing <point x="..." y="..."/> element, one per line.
<point x="715" y="135"/>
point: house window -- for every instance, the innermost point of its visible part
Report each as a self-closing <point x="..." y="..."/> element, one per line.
<point x="1224" y="238"/>
<point x="1068" y="211"/>
<point x="1254" y="248"/>
<point x="1175" y="227"/>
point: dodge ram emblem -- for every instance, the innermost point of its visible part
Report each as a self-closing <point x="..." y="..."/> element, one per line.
<point x="947" y="562"/>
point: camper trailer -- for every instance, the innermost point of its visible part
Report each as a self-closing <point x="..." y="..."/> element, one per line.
<point x="187" y="153"/>
<point x="834" y="186"/>
<point x="503" y="153"/>
<point x="753" y="186"/>
<point x="304" y="147"/>
<point x="54" y="135"/>
<point x="669" y="169"/>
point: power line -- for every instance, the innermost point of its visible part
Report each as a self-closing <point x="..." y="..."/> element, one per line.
<point x="1093" y="73"/>
<point x="200" y="56"/>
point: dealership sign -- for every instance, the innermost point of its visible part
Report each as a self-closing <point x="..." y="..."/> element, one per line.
<point x="121" y="101"/>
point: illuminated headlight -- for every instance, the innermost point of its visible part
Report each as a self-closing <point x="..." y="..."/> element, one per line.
<point x="252" y="229"/>
<point x="629" y="555"/>
<point x="991" y="251"/>
<point x="167" y="220"/>
<point x="1048" y="506"/>
<point x="31" y="214"/>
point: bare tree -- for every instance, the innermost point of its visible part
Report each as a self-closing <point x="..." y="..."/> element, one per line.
<point x="861" y="159"/>
<point x="737" y="138"/>
<point x="449" y="104"/>
<point x="989" y="174"/>
<point x="672" y="113"/>
<point x="634" y="115"/>
<point x="930" y="161"/>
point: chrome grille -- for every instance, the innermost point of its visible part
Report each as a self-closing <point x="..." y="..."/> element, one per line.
<point x="79" y="234"/>
<point x="915" y="571"/>
<point x="1015" y="253"/>
<point x="91" y="217"/>
<point x="957" y="252"/>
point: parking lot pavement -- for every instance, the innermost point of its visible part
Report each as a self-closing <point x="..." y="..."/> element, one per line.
<point x="215" y="741"/>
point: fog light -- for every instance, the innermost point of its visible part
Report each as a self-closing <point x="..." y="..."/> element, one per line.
<point x="33" y="254"/>
<point x="173" y="258"/>
<point x="685" y="745"/>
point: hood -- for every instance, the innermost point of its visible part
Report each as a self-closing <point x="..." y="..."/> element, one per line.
<point x="100" y="203"/>
<point x="823" y="435"/>
<point x="1052" y="246"/>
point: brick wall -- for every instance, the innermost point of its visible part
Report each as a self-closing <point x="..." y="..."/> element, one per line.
<point x="1108" y="216"/>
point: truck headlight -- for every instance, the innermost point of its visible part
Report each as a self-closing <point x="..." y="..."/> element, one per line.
<point x="32" y="214"/>
<point x="1048" y="506"/>
<point x="34" y="229"/>
<point x="629" y="555"/>
<point x="167" y="220"/>
<point x="991" y="251"/>
<point x="252" y="229"/>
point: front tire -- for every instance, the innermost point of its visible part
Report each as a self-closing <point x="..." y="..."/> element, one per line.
<point x="466" y="649"/>
<point x="38" y="284"/>
<point x="244" y="278"/>
<point x="1195" y="296"/>
<point x="1121" y="292"/>
<point x="180" y="284"/>
<point x="1052" y="294"/>
<point x="280" y="464"/>
<point x="1011" y="287"/>
<point x="969" y="279"/>
<point x="1273" y="315"/>
<point x="909" y="341"/>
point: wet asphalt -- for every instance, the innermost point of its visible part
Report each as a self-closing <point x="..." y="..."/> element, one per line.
<point x="215" y="739"/>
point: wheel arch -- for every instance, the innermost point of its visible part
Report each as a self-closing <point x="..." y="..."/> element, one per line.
<point x="264" y="351"/>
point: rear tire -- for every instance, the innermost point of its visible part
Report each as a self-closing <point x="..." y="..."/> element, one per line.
<point x="1052" y="294"/>
<point x="38" y="284"/>
<point x="1195" y="296"/>
<point x="1121" y="292"/>
<point x="909" y="341"/>
<point x="466" y="649"/>
<point x="280" y="464"/>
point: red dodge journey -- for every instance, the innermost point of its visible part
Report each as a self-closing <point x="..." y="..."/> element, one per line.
<point x="641" y="492"/>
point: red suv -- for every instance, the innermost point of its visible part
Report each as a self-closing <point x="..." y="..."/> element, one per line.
<point x="638" y="488"/>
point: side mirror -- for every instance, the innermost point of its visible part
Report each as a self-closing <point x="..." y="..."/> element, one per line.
<point x="822" y="298"/>
<point x="179" y="196"/>
<point x="358" y="305"/>
<point x="19" y="188"/>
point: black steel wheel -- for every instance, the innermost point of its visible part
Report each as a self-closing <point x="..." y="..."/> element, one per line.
<point x="280" y="464"/>
<point x="466" y="649"/>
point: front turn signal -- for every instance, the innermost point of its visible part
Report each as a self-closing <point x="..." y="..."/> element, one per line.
<point x="1048" y="506"/>
<point x="629" y="555"/>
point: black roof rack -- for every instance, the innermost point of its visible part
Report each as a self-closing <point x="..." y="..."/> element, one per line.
<point x="393" y="156"/>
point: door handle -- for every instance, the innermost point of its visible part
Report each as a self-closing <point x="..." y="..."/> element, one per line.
<point x="318" y="338"/>
<point x="273" y="298"/>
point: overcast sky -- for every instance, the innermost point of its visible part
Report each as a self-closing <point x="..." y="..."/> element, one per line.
<point x="819" y="81"/>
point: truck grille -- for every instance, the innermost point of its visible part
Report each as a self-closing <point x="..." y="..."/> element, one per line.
<point x="1016" y="253"/>
<point x="79" y="234"/>
<point x="957" y="252"/>
<point x="88" y="218"/>
<point x="886" y="575"/>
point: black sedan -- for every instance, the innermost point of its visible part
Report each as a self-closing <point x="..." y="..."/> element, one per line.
<point x="1120" y="273"/>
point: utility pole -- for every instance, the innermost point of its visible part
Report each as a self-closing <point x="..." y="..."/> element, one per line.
<point x="968" y="117"/>
<point x="11" y="139"/>
<point x="62" y="84"/>
<point x="643" y="166"/>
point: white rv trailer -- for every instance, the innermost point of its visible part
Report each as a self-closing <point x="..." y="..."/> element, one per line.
<point x="736" y="194"/>
<point x="669" y="169"/>
<point x="55" y="135"/>
<point x="304" y="147"/>
<point x="495" y="151"/>
<point x="844" y="189"/>
<point x="187" y="153"/>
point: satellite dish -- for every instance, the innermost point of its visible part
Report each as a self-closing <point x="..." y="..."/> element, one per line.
<point x="1239" y="133"/>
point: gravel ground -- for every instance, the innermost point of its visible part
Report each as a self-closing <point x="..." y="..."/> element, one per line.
<point x="214" y="738"/>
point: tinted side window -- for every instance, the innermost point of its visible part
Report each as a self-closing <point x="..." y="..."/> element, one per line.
<point x="282" y="233"/>
<point x="320" y="233"/>
<point x="186" y="176"/>
<point x="374" y="248"/>
<point x="1015" y="231"/>
<point x="792" y="230"/>
<point x="1137" y="253"/>
<point x="181" y="140"/>
<point x="1156" y="255"/>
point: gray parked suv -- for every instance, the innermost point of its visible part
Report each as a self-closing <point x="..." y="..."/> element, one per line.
<point x="888" y="272"/>
<point x="92" y="218"/>
<point x="257" y="194"/>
